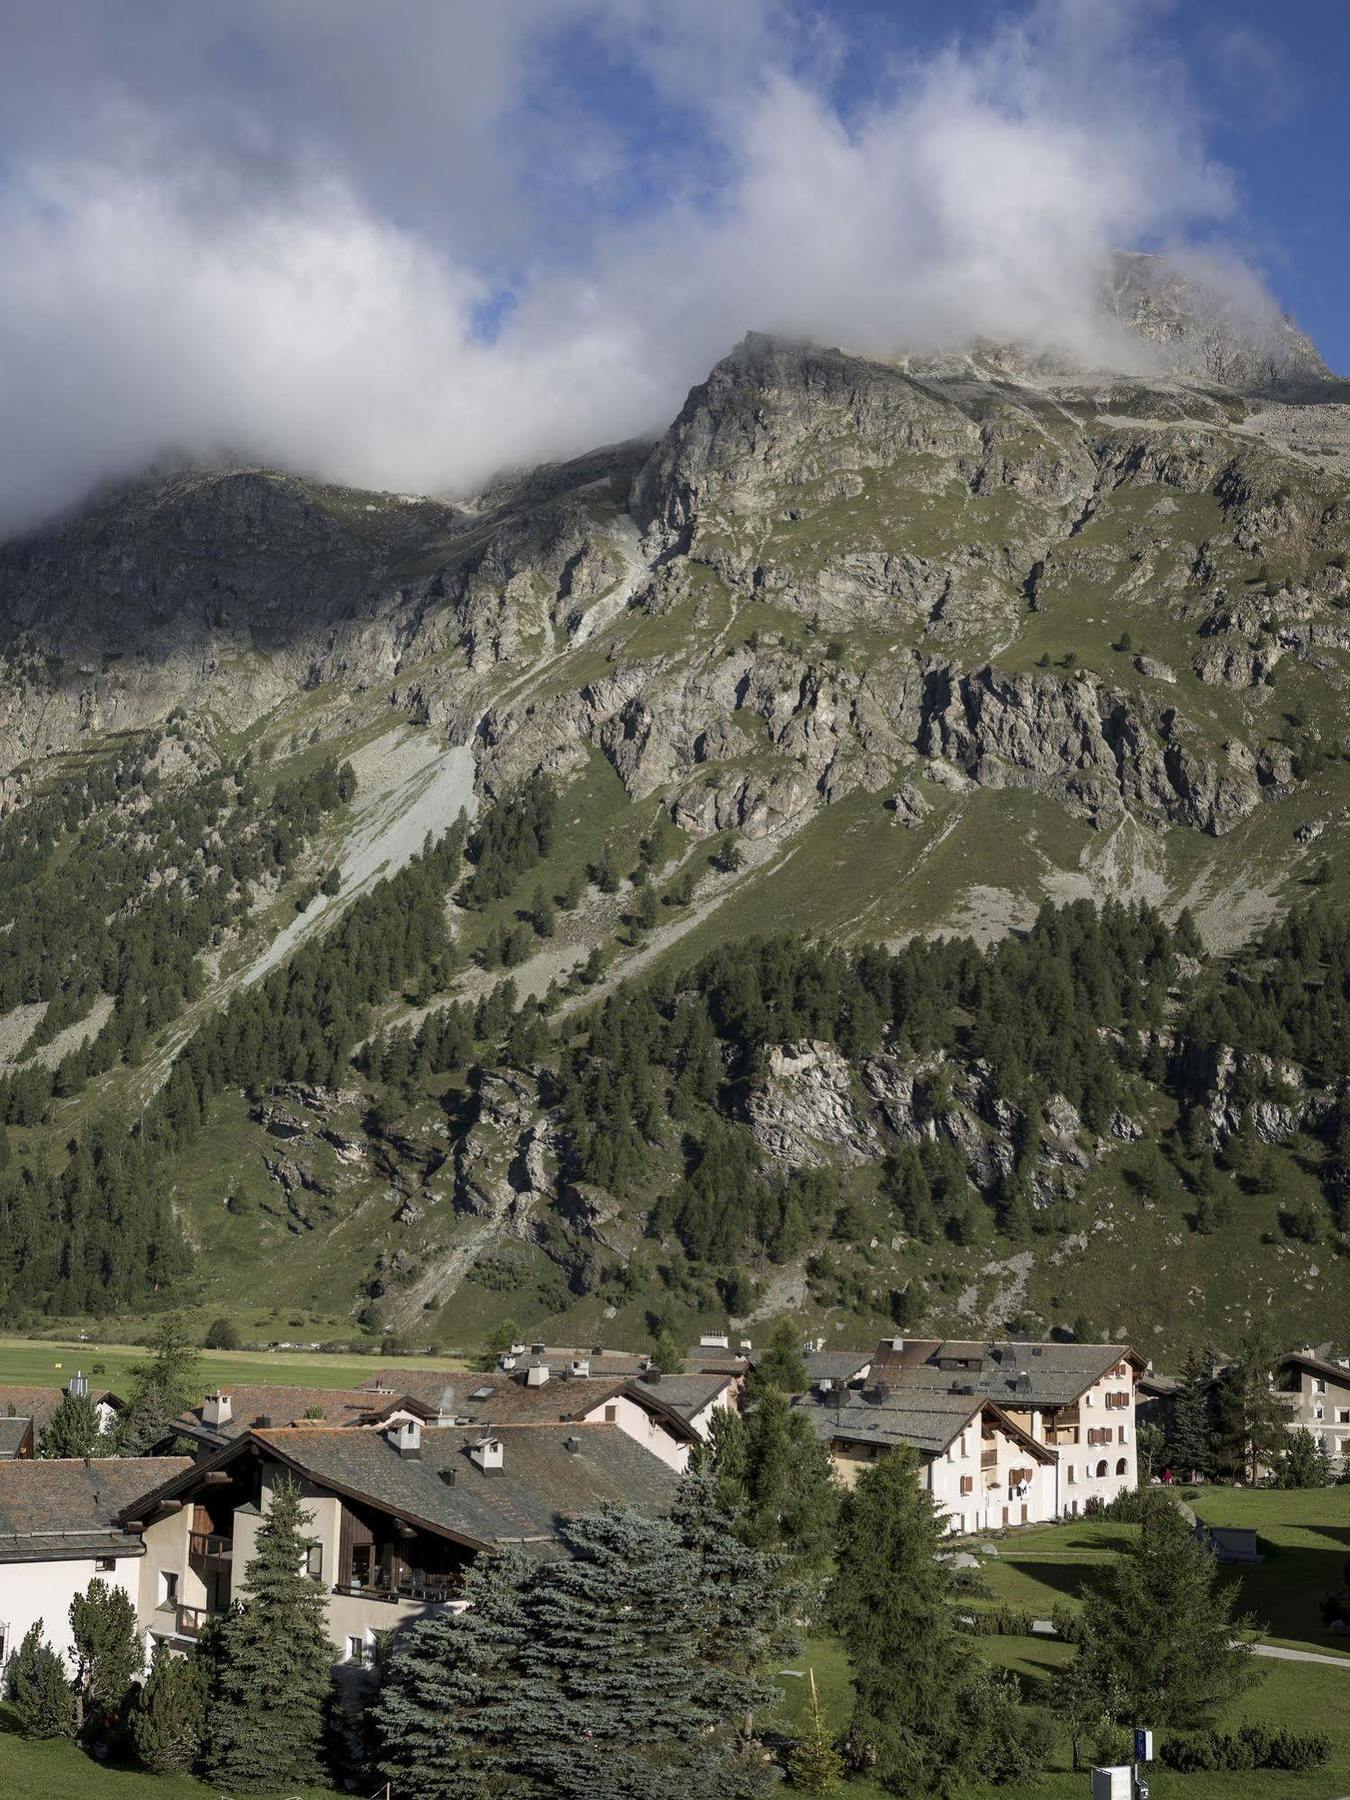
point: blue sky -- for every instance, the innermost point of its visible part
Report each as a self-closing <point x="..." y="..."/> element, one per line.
<point x="408" y="244"/>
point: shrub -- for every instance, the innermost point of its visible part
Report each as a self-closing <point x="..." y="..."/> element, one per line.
<point x="38" y="1688"/>
<point x="999" y="1621"/>
<point x="1251" y="1747"/>
<point x="222" y="1334"/>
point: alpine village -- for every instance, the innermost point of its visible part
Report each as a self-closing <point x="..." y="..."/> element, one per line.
<point x="674" y="937"/>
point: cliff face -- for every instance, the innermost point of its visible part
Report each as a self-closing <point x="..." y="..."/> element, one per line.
<point x="933" y="641"/>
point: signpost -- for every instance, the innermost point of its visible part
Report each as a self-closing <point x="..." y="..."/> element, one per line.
<point x="1143" y="1753"/>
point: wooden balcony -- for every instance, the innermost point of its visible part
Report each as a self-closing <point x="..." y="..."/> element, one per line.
<point x="210" y="1546"/>
<point x="189" y="1620"/>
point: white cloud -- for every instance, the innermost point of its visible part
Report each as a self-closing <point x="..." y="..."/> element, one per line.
<point x="287" y="281"/>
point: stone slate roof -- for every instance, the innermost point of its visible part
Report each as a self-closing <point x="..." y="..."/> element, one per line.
<point x="836" y="1365"/>
<point x="683" y="1394"/>
<point x="927" y="1420"/>
<point x="14" y="1434"/>
<point x="1058" y="1373"/>
<point x="250" y="1403"/>
<point x="542" y="1481"/>
<point x="66" y="1508"/>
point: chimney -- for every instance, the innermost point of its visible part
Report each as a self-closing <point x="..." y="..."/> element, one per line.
<point x="216" y="1411"/>
<point x="406" y="1437"/>
<point x="536" y="1349"/>
<point x="1023" y="1385"/>
<point x="488" y="1453"/>
<point x="507" y="1361"/>
<point x="537" y="1374"/>
<point x="651" y="1374"/>
<point x="78" y="1385"/>
<point x="572" y="1444"/>
<point x="714" y="1340"/>
<point x="581" y="1368"/>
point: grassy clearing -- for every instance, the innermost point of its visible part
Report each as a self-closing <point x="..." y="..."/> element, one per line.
<point x="30" y="1362"/>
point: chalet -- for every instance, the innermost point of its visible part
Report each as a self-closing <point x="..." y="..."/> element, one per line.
<point x="60" y="1526"/>
<point x="667" y="1415"/>
<point x="1077" y="1400"/>
<point x="1316" y="1391"/>
<point x="398" y="1513"/>
<point x="983" y="1470"/>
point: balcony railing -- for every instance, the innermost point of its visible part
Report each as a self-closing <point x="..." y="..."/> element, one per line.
<point x="189" y="1620"/>
<point x="210" y="1545"/>
<point x="430" y="1590"/>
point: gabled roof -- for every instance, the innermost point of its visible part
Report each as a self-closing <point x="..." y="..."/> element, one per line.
<point x="1315" y="1365"/>
<point x="68" y="1507"/>
<point x="837" y="1365"/>
<point x="252" y="1402"/>
<point x="682" y="1395"/>
<point x="505" y="1398"/>
<point x="542" y="1481"/>
<point x="1056" y="1374"/>
<point x="928" y="1420"/>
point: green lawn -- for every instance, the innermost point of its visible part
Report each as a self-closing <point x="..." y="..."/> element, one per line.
<point x="60" y="1771"/>
<point x="1306" y="1536"/>
<point x="31" y="1362"/>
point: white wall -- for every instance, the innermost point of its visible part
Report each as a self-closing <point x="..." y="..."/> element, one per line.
<point x="44" y="1590"/>
<point x="1079" y="1480"/>
<point x="640" y="1425"/>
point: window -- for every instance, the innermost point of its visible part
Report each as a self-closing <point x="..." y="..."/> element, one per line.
<point x="611" y="1414"/>
<point x="1343" y="1415"/>
<point x="314" y="1562"/>
<point x="1072" y="1476"/>
<point x="4" y="1644"/>
<point x="1121" y="1466"/>
<point x="168" y="1587"/>
<point x="1319" y="1386"/>
<point x="106" y="1565"/>
<point x="1101" y="1468"/>
<point x="1122" y="1435"/>
<point x="356" y="1650"/>
<point x="967" y="1484"/>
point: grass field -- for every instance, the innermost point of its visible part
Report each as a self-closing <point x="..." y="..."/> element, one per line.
<point x="31" y="1362"/>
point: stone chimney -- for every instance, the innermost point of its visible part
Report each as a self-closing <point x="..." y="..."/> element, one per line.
<point x="537" y="1373"/>
<point x="406" y="1436"/>
<point x="488" y="1453"/>
<point x="216" y="1410"/>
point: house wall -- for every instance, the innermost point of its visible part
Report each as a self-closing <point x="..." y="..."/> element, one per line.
<point x="44" y="1590"/>
<point x="1107" y="1406"/>
<point x="980" y="1505"/>
<point x="640" y="1425"/>
<point x="1322" y="1406"/>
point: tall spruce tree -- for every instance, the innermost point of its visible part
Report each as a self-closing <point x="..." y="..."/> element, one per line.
<point x="271" y="1682"/>
<point x="782" y="1365"/>
<point x="169" y="1718"/>
<point x="891" y="1603"/>
<point x="1190" y="1432"/>
<point x="108" y="1653"/>
<point x="1251" y="1423"/>
<point x="164" y="1385"/>
<point x="774" y="1477"/>
<point x="1160" y="1625"/>
<point x="446" y="1717"/>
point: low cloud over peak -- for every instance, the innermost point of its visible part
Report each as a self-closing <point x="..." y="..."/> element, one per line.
<point x="410" y="256"/>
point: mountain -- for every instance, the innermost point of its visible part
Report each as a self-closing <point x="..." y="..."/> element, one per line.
<point x="870" y="652"/>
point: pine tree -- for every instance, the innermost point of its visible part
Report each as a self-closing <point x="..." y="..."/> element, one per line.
<point x="165" y="1385"/>
<point x="169" y="1717"/>
<point x="814" y="1764"/>
<point x="108" y="1652"/>
<point x="38" y="1689"/>
<point x="74" y="1429"/>
<point x="1304" y="1462"/>
<point x="267" y="1707"/>
<point x="782" y="1365"/>
<point x="774" y="1477"/>
<point x="1190" y="1438"/>
<point x="1160" y="1623"/>
<point x="890" y="1602"/>
<point x="666" y="1354"/>
<point x="1251" y="1425"/>
<point x="445" y="1719"/>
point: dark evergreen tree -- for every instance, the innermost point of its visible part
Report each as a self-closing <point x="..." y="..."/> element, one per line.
<point x="891" y="1603"/>
<point x="168" y="1720"/>
<point x="782" y="1365"/>
<point x="773" y="1475"/>
<point x="108" y="1653"/>
<point x="74" y="1429"/>
<point x="1304" y="1463"/>
<point x="1160" y="1622"/>
<point x="164" y="1385"/>
<point x="1251" y="1423"/>
<point x="271" y="1684"/>
<point x="38" y="1688"/>
<point x="1190" y="1436"/>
